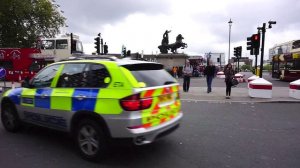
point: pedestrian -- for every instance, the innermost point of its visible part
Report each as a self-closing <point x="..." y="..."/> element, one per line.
<point x="175" y="69"/>
<point x="187" y="73"/>
<point x="229" y="74"/>
<point x="209" y="71"/>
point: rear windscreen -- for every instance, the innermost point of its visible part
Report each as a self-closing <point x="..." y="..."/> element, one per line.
<point x="150" y="74"/>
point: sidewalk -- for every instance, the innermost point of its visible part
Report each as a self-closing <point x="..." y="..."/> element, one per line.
<point x="238" y="94"/>
<point x="279" y="94"/>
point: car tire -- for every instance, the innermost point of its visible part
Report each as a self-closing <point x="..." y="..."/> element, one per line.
<point x="91" y="140"/>
<point x="10" y="118"/>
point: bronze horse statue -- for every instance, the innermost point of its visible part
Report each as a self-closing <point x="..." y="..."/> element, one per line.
<point x="165" y="46"/>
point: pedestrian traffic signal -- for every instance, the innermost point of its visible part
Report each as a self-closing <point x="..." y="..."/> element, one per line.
<point x="97" y="43"/>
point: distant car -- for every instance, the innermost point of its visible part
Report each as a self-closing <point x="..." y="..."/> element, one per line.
<point x="96" y="100"/>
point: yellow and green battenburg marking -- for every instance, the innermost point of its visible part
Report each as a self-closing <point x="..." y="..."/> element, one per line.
<point x="157" y="115"/>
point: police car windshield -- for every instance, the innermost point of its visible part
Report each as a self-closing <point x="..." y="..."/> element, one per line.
<point x="150" y="74"/>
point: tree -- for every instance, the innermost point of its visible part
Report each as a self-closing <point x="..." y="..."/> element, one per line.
<point x="267" y="67"/>
<point x="23" y="21"/>
<point x="244" y="67"/>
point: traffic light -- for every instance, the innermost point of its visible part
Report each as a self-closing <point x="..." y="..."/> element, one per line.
<point x="105" y="48"/>
<point x="128" y="53"/>
<point x="97" y="43"/>
<point x="256" y="43"/>
<point x="239" y="51"/>
<point x="124" y="52"/>
<point x="253" y="44"/>
<point x="249" y="45"/>
<point x="235" y="52"/>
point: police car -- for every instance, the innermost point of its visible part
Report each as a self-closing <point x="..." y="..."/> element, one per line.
<point x="96" y="100"/>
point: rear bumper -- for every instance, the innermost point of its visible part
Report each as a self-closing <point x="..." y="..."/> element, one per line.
<point x="142" y="136"/>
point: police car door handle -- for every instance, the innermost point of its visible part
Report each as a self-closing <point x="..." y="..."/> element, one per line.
<point x="80" y="97"/>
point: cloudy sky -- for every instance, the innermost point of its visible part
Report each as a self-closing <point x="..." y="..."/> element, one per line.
<point x="140" y="24"/>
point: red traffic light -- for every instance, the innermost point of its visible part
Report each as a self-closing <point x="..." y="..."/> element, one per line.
<point x="255" y="37"/>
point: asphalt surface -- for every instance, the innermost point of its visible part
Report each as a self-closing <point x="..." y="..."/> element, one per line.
<point x="212" y="135"/>
<point x="215" y="132"/>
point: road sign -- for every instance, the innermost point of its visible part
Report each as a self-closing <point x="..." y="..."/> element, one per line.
<point x="2" y="72"/>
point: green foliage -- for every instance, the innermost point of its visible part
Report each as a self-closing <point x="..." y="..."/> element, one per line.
<point x="23" y="21"/>
<point x="267" y="67"/>
<point x="244" y="67"/>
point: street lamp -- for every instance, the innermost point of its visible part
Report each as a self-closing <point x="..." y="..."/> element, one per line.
<point x="230" y="24"/>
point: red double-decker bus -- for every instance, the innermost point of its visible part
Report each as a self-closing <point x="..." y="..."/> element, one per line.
<point x="286" y="60"/>
<point x="20" y="63"/>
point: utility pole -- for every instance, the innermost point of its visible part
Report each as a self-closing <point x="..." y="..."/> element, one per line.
<point x="220" y="62"/>
<point x="262" y="50"/>
<point x="263" y="31"/>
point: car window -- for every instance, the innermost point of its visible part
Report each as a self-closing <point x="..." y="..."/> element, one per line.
<point x="96" y="75"/>
<point x="83" y="75"/>
<point x="45" y="77"/>
<point x="72" y="75"/>
<point x="150" y="74"/>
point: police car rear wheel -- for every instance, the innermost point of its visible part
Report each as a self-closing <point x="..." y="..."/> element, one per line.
<point x="91" y="140"/>
<point x="9" y="118"/>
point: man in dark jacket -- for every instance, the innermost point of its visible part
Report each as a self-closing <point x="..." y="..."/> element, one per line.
<point x="209" y="71"/>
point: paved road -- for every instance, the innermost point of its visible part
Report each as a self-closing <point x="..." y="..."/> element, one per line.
<point x="212" y="135"/>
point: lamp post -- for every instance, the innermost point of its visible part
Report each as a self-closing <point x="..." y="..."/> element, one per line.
<point x="230" y="24"/>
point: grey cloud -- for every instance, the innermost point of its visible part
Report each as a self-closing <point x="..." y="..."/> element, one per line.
<point x="83" y="16"/>
<point x="248" y="16"/>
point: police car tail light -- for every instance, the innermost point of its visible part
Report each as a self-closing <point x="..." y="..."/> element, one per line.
<point x="134" y="103"/>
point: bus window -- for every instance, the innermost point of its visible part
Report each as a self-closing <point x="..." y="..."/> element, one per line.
<point x="79" y="46"/>
<point x="296" y="44"/>
<point x="62" y="44"/>
<point x="297" y="65"/>
<point x="6" y="64"/>
<point x="48" y="44"/>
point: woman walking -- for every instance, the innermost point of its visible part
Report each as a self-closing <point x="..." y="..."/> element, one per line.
<point x="187" y="73"/>
<point x="229" y="74"/>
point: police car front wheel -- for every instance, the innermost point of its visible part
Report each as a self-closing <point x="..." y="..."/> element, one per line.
<point x="9" y="118"/>
<point x="91" y="140"/>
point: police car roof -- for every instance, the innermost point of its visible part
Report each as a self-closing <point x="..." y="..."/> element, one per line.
<point x="109" y="58"/>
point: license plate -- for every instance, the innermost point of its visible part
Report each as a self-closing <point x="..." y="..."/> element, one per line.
<point x="165" y="98"/>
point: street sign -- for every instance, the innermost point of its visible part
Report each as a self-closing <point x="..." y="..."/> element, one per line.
<point x="2" y="72"/>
